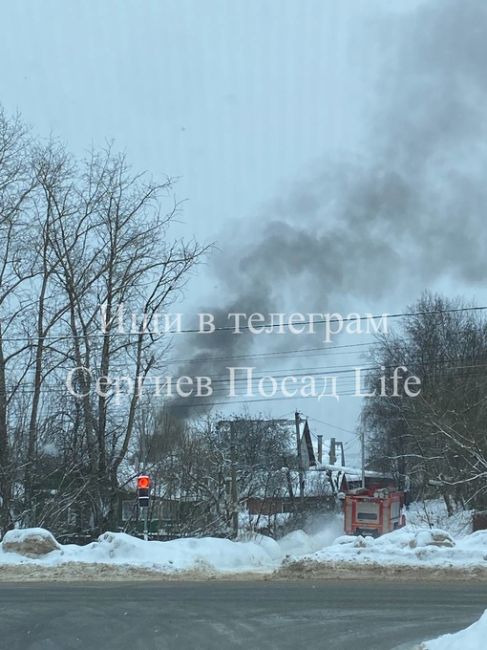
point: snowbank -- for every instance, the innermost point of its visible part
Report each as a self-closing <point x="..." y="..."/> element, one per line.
<point x="322" y="532"/>
<point x="402" y="549"/>
<point x="206" y="554"/>
<point x="433" y="513"/>
<point x="472" y="638"/>
<point x="407" y="547"/>
<point x="178" y="555"/>
<point x="32" y="542"/>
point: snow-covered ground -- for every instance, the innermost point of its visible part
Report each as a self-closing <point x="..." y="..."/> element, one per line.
<point x="326" y="549"/>
<point x="408" y="547"/>
<point x="205" y="555"/>
<point x="431" y="540"/>
<point x="472" y="638"/>
<point x="168" y="557"/>
<point x="433" y="514"/>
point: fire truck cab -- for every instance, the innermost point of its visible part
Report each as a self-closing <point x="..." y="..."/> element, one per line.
<point x="373" y="511"/>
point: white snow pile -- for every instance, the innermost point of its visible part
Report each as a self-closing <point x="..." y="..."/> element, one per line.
<point x="406" y="547"/>
<point x="33" y="542"/>
<point x="433" y="514"/>
<point x="207" y="554"/>
<point x="323" y="533"/>
<point x="472" y="638"/>
<point x="185" y="554"/>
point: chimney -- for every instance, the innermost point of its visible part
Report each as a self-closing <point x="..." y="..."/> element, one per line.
<point x="320" y="449"/>
<point x="333" y="455"/>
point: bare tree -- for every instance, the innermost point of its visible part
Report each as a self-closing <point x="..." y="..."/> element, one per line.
<point x="438" y="437"/>
<point x="78" y="241"/>
<point x="117" y="255"/>
<point x="16" y="186"/>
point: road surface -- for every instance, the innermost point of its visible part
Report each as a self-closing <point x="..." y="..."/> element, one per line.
<point x="215" y="615"/>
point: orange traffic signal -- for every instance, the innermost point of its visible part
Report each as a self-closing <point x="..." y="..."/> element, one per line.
<point x="143" y="482"/>
<point x="143" y="490"/>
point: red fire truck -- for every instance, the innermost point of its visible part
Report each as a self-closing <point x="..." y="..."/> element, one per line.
<point x="373" y="511"/>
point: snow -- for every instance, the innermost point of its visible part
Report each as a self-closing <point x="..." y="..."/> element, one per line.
<point x="257" y="554"/>
<point x="19" y="535"/>
<point x="185" y="554"/>
<point x="408" y="546"/>
<point x="433" y="513"/>
<point x="472" y="638"/>
<point x="32" y="542"/>
<point x="299" y="543"/>
<point x="414" y="546"/>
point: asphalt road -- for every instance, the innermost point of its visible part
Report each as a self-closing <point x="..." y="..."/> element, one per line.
<point x="214" y="615"/>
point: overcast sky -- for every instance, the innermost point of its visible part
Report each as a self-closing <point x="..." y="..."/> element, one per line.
<point x="236" y="99"/>
<point x="268" y="112"/>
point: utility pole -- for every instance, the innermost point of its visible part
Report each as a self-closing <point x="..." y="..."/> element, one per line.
<point x="289" y="481"/>
<point x="333" y="454"/>
<point x="233" y="478"/>
<point x="297" y="421"/>
<point x="146" y="523"/>
<point x="320" y="449"/>
<point x="362" y="440"/>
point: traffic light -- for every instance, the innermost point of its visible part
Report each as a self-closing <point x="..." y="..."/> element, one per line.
<point x="143" y="490"/>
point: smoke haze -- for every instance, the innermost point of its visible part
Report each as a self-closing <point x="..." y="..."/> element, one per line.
<point x="404" y="211"/>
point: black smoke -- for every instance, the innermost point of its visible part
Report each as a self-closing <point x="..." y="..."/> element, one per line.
<point x="407" y="210"/>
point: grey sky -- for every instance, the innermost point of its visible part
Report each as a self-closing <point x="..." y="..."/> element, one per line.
<point x="235" y="98"/>
<point x="282" y="112"/>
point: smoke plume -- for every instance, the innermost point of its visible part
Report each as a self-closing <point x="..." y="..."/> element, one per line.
<point x="406" y="211"/>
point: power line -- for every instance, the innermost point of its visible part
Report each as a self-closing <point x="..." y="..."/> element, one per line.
<point x="334" y="426"/>
<point x="321" y="371"/>
<point x="263" y="326"/>
<point x="324" y="349"/>
<point x="322" y="321"/>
